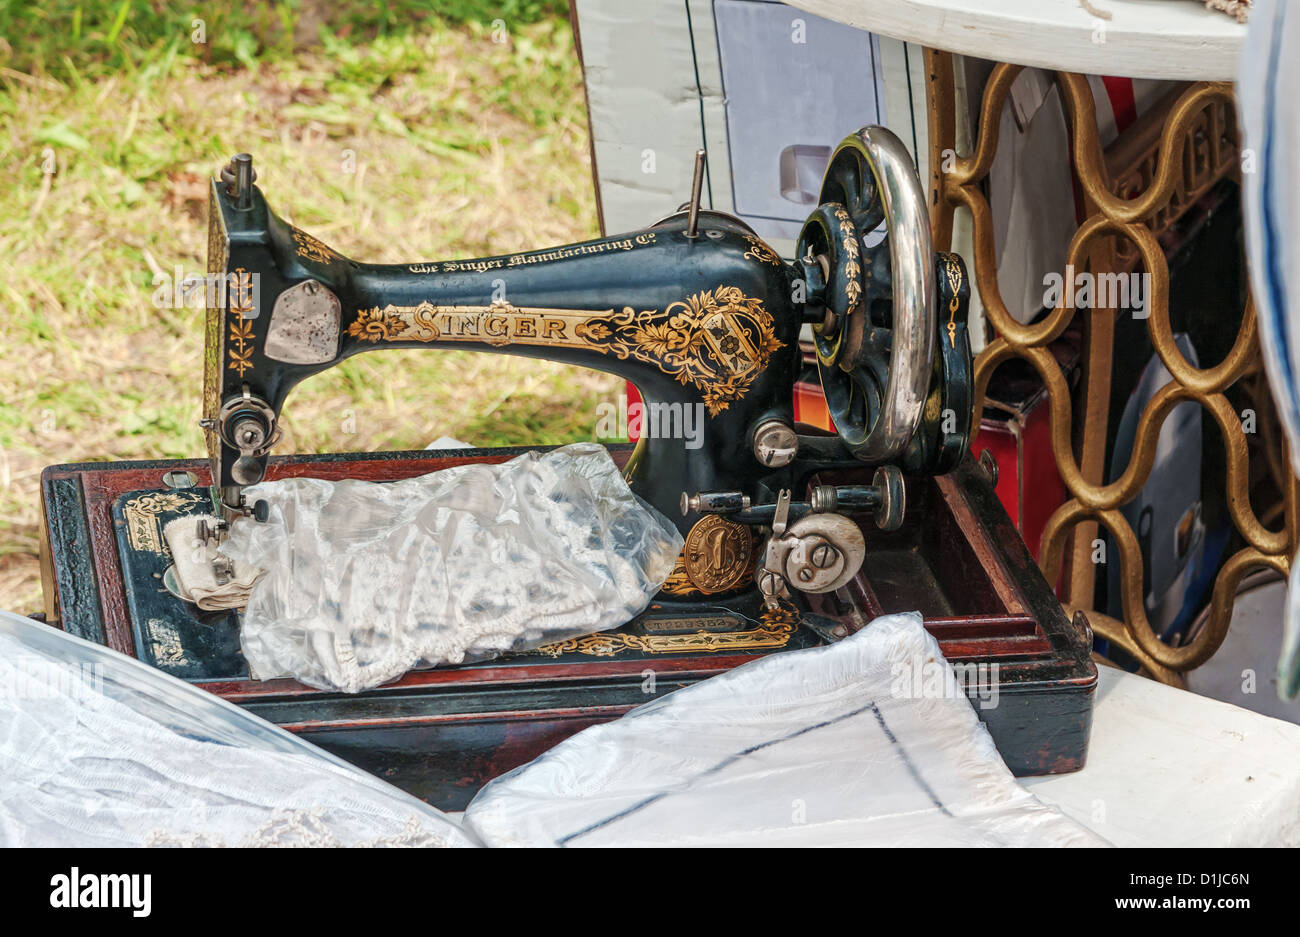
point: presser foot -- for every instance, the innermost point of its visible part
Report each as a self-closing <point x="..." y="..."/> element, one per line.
<point x="212" y="533"/>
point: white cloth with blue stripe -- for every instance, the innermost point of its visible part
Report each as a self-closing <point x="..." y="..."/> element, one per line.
<point x="829" y="746"/>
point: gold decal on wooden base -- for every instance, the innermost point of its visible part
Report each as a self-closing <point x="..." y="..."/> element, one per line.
<point x="143" y="530"/>
<point x="678" y="583"/>
<point x="774" y="630"/>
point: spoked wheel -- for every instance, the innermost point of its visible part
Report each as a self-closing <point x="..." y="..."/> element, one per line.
<point x="876" y="342"/>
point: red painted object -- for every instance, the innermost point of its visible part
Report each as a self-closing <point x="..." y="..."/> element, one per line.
<point x="633" y="397"/>
<point x="1029" y="485"/>
<point x="1016" y="434"/>
<point x="810" y="407"/>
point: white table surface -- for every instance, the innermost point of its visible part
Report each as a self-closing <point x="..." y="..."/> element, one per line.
<point x="1169" y="768"/>
<point x="1173" y="39"/>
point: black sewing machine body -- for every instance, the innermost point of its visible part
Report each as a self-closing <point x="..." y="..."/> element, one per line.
<point x="793" y="538"/>
<point x="696" y="310"/>
<point x="703" y="322"/>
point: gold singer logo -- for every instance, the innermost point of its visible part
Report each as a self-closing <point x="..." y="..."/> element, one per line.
<point x="718" y="341"/>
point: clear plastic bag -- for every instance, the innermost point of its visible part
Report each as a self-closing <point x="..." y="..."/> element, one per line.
<point x="365" y="581"/>
<point x="98" y="749"/>
<point x="866" y="742"/>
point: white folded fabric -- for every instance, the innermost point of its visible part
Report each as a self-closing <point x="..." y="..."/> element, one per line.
<point x="192" y="559"/>
<point x="820" y="747"/>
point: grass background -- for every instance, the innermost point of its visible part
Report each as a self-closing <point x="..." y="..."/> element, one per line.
<point x="394" y="131"/>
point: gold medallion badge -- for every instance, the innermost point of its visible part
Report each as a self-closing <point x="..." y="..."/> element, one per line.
<point x="717" y="554"/>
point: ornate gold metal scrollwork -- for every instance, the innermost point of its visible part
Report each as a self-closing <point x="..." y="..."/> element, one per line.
<point x="1196" y="147"/>
<point x="774" y="628"/>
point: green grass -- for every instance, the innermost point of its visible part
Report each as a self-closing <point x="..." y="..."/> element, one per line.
<point x="388" y="131"/>
<point x="89" y="40"/>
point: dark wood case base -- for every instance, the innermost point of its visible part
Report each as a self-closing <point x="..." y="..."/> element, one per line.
<point x="442" y="733"/>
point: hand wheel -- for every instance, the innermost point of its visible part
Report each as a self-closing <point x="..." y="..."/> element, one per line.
<point x="876" y="341"/>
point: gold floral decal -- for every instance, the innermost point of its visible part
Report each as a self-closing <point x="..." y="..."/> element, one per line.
<point x="141" y="515"/>
<point x="241" y="328"/>
<point x="312" y="249"/>
<point x="374" y="325"/>
<point x="849" y="243"/>
<point x="953" y="273"/>
<point x="214" y="319"/>
<point x="678" y="583"/>
<point x="760" y="251"/>
<point x="717" y="340"/>
<point x="774" y="630"/>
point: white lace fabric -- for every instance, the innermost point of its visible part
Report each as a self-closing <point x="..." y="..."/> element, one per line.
<point x="97" y="749"/>
<point x="365" y="581"/>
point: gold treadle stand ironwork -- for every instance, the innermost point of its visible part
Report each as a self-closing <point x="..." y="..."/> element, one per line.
<point x="1132" y="192"/>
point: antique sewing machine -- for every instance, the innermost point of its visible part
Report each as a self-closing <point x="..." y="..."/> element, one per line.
<point x="794" y="537"/>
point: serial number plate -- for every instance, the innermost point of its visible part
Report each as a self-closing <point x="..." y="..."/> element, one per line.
<point x="692" y="623"/>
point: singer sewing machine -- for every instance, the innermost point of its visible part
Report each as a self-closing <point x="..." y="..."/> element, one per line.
<point x="793" y="537"/>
